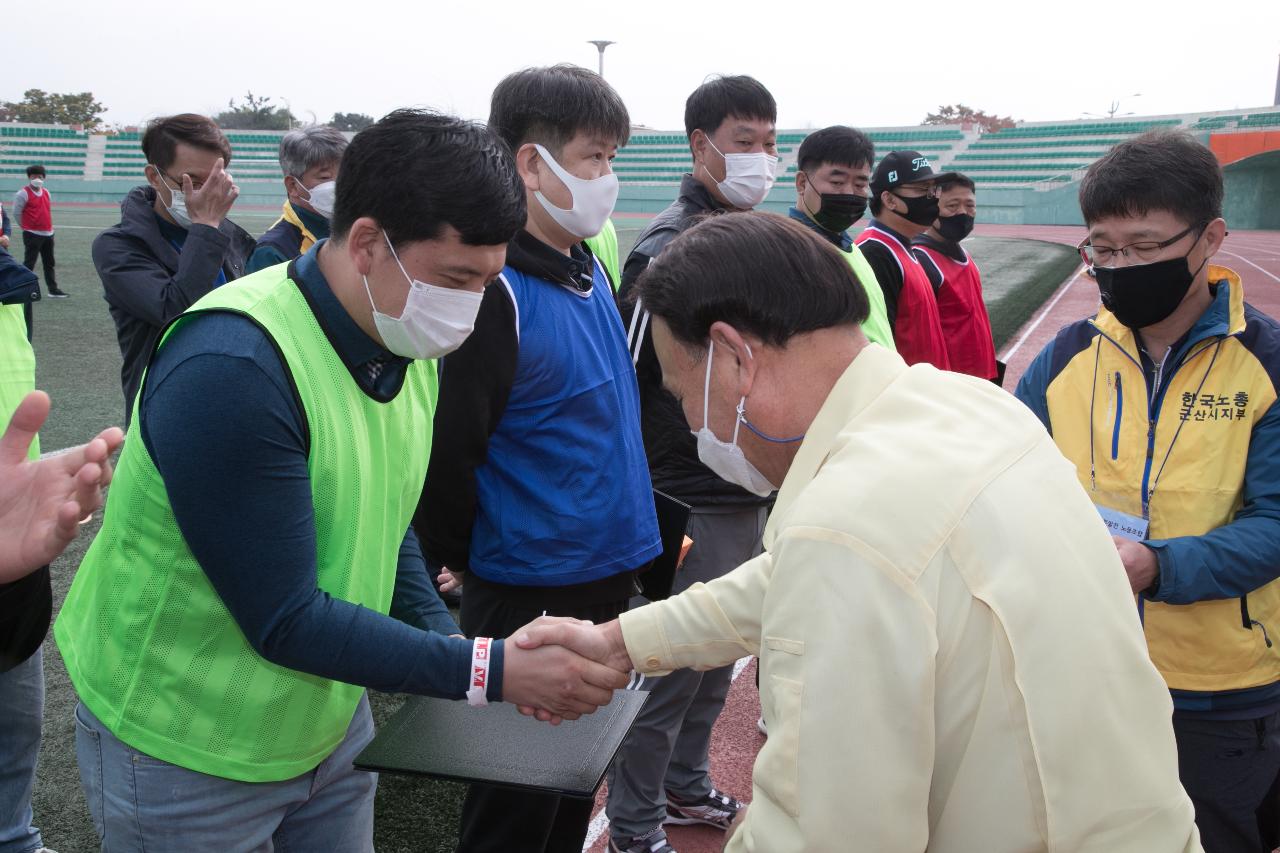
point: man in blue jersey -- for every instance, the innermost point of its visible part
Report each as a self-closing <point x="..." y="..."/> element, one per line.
<point x="537" y="490"/>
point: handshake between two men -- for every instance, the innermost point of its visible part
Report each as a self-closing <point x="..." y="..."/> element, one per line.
<point x="557" y="668"/>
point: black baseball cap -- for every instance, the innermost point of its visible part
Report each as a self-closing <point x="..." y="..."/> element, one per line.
<point x="904" y="167"/>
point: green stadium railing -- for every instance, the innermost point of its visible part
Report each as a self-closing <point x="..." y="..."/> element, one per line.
<point x="994" y="141"/>
<point x="1087" y="129"/>
<point x="1022" y="166"/>
<point x="1023" y="156"/>
<point x="16" y="170"/>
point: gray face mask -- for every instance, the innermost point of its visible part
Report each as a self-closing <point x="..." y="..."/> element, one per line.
<point x="177" y="205"/>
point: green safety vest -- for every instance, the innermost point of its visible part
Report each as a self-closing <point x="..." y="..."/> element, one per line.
<point x="149" y="645"/>
<point x="876" y="327"/>
<point x="605" y="247"/>
<point x="17" y="366"/>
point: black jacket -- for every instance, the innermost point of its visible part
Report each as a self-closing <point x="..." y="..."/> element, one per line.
<point x="670" y="446"/>
<point x="26" y="606"/>
<point x="147" y="283"/>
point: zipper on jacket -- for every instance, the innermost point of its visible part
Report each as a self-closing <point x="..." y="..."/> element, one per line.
<point x="1115" y="432"/>
<point x="1153" y="404"/>
<point x="1249" y="622"/>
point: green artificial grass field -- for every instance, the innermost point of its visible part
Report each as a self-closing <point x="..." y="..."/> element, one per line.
<point x="78" y="363"/>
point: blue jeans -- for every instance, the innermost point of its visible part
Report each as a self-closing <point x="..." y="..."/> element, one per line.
<point x="140" y="803"/>
<point x="21" y="708"/>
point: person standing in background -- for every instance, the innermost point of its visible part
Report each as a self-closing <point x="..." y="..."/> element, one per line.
<point x="904" y="203"/>
<point x="831" y="195"/>
<point x="174" y="242"/>
<point x="309" y="158"/>
<point x="957" y="283"/>
<point x="33" y="208"/>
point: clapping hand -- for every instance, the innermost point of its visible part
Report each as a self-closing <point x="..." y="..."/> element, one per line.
<point x="43" y="502"/>
<point x="558" y="669"/>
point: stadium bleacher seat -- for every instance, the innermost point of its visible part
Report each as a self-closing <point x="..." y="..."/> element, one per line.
<point x="1022" y="155"/>
<point x="1259" y="120"/>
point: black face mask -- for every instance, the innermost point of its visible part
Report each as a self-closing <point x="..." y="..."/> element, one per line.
<point x="921" y="210"/>
<point x="955" y="228"/>
<point x="1143" y="295"/>
<point x="839" y="210"/>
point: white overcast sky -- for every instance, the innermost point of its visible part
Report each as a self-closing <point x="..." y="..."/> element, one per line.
<point x="872" y="64"/>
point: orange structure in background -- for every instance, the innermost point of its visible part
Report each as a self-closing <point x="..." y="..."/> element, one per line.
<point x="1232" y="147"/>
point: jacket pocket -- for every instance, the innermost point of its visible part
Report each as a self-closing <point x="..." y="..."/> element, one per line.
<point x="782" y="644"/>
<point x="1207" y="646"/>
<point x="777" y="770"/>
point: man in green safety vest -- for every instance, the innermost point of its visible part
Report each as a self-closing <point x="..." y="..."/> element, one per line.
<point x="256" y="570"/>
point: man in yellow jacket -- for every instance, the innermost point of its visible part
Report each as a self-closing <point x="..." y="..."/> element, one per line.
<point x="1165" y="402"/>
<point x="950" y="659"/>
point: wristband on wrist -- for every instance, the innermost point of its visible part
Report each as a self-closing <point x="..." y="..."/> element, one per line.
<point x="477" y="691"/>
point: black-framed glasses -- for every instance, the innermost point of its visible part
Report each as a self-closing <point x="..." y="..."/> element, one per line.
<point x="1144" y="251"/>
<point x="930" y="191"/>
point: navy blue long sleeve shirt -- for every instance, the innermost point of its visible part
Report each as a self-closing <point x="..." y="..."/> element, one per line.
<point x="218" y="418"/>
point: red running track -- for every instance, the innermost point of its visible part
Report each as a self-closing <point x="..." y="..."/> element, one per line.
<point x="1255" y="255"/>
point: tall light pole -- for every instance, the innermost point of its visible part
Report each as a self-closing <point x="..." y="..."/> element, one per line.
<point x="600" y="46"/>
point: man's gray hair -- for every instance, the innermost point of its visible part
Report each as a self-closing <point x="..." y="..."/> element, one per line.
<point x="305" y="147"/>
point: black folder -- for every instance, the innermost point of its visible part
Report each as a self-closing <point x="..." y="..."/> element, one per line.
<point x="496" y="745"/>
<point x="673" y="523"/>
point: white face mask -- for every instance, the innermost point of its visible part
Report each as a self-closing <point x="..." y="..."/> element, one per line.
<point x="747" y="177"/>
<point x="724" y="458"/>
<point x="37" y="183"/>
<point x="321" y="197"/>
<point x="177" y="205"/>
<point x="435" y="321"/>
<point x="593" y="199"/>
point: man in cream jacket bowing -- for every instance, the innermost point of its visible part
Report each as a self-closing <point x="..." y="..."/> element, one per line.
<point x="951" y="659"/>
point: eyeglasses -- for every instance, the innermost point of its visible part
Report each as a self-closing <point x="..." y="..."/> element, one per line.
<point x="1145" y="251"/>
<point x="177" y="185"/>
<point x="918" y="191"/>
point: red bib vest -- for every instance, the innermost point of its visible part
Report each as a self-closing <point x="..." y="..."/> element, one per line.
<point x="965" y="324"/>
<point x="917" y="329"/>
<point x="37" y="215"/>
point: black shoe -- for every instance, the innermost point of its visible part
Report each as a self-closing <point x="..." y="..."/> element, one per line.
<point x="58" y="294"/>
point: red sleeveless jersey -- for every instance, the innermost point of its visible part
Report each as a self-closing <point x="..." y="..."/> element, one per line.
<point x="965" y="323"/>
<point x="917" y="328"/>
<point x="37" y="215"/>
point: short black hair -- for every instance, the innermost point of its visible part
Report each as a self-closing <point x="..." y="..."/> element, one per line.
<point x="35" y="169"/>
<point x="550" y="106"/>
<point x="839" y="145"/>
<point x="160" y="141"/>
<point x="957" y="179"/>
<point x="759" y="272"/>
<point x="1159" y="170"/>
<point x="415" y="171"/>
<point x="721" y="97"/>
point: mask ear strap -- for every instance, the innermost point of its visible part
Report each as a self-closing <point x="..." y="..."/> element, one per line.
<point x="369" y="293"/>
<point x="706" y="386"/>
<point x="403" y="271"/>
<point x="742" y="403"/>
